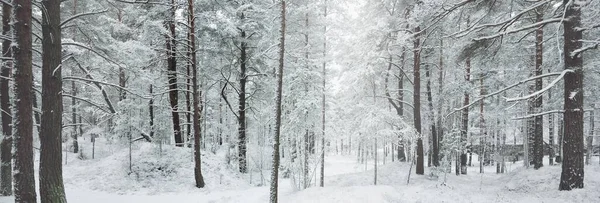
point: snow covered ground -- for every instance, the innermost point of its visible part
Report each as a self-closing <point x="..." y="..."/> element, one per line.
<point x="108" y="180"/>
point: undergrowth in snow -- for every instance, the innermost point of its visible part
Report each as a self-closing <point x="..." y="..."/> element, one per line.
<point x="154" y="170"/>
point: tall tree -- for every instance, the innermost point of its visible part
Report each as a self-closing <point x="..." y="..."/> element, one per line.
<point x="51" y="181"/>
<point x="275" y="171"/>
<point x="6" y="144"/>
<point x="417" y="100"/>
<point x="197" y="96"/>
<point x="242" y="102"/>
<point x="172" y="73"/>
<point x="324" y="74"/>
<point x="538" y="135"/>
<point x="24" y="182"/>
<point x="572" y="167"/>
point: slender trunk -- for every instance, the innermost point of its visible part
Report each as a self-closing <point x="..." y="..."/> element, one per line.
<point x="551" y="152"/>
<point x="482" y="127"/>
<point x="242" y="104"/>
<point x="188" y="95"/>
<point x="322" y="180"/>
<point x="465" y="121"/>
<point x="197" y="94"/>
<point x="538" y="139"/>
<point x="590" y="138"/>
<point x="440" y="132"/>
<point x="74" y="133"/>
<point x="151" y="110"/>
<point x="51" y="182"/>
<point x="417" y="101"/>
<point x="572" y="167"/>
<point x="172" y="75"/>
<point x="434" y="136"/>
<point x="6" y="144"/>
<point x="275" y="171"/>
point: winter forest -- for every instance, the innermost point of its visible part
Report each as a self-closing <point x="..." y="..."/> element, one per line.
<point x="299" y="101"/>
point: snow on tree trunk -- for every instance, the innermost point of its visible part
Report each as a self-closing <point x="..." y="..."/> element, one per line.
<point x="172" y="74"/>
<point x="275" y="171"/>
<point x="197" y="94"/>
<point x="24" y="182"/>
<point x="572" y="167"/>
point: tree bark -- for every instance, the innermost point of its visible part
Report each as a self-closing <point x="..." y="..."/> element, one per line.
<point x="242" y="104"/>
<point x="51" y="182"/>
<point x="197" y="94"/>
<point x="275" y="171"/>
<point x="172" y="74"/>
<point x="417" y="101"/>
<point x="6" y="144"/>
<point x="24" y="183"/>
<point x="465" y="120"/>
<point x="572" y="167"/>
<point x="538" y="139"/>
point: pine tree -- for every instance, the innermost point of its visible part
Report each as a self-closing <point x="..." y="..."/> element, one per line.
<point x="24" y="183"/>
<point x="275" y="171"/>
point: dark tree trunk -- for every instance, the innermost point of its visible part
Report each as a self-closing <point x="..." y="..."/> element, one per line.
<point x="74" y="133"/>
<point x="197" y="94"/>
<point x="6" y="144"/>
<point x="440" y="131"/>
<point x="151" y="111"/>
<point x="572" y="167"/>
<point x="242" y="105"/>
<point x="417" y="101"/>
<point x="275" y="171"/>
<point x="538" y="139"/>
<point x="465" y="121"/>
<point x="51" y="182"/>
<point x="24" y="182"/>
<point x="172" y="75"/>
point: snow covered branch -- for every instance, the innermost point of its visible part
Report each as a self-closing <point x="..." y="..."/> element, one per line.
<point x="505" y="89"/>
<point x="80" y="15"/>
<point x="538" y="114"/>
<point x="562" y="74"/>
<point x="531" y="26"/>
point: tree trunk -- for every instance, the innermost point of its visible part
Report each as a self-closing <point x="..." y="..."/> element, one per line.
<point x="538" y="139"/>
<point x="151" y="111"/>
<point x="435" y="151"/>
<point x="197" y="94"/>
<point x="322" y="180"/>
<point x="24" y="182"/>
<point x="465" y="121"/>
<point x="572" y="167"/>
<point x="590" y="138"/>
<point x="51" y="182"/>
<point x="74" y="133"/>
<point x="242" y="104"/>
<point x="6" y="144"/>
<point x="275" y="171"/>
<point x="417" y="101"/>
<point x="172" y="75"/>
